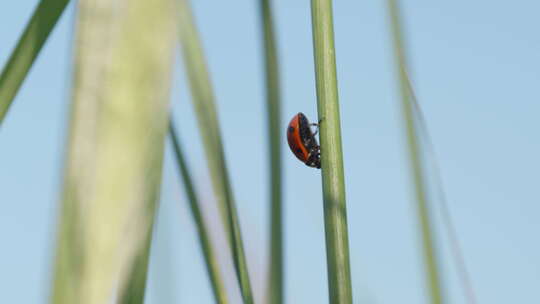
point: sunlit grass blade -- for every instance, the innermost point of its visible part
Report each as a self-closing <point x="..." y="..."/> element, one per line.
<point x="273" y="109"/>
<point x="457" y="252"/>
<point x="335" y="213"/>
<point x="119" y="118"/>
<point x="417" y="173"/>
<point x="28" y="47"/>
<point x="207" y="249"/>
<point x="205" y="109"/>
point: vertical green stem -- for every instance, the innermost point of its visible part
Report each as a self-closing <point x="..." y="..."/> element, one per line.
<point x="28" y="47"/>
<point x="335" y="213"/>
<point x="205" y="108"/>
<point x="273" y="108"/>
<point x="417" y="174"/>
<point x="212" y="266"/>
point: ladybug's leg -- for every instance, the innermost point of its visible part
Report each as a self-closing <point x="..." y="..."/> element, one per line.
<point x="312" y="139"/>
<point x="315" y="152"/>
<point x="314" y="158"/>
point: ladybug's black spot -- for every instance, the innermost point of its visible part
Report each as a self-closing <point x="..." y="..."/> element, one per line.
<point x="291" y="129"/>
<point x="298" y="150"/>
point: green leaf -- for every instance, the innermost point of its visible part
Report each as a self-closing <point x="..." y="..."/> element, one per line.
<point x="119" y="117"/>
<point x="432" y="267"/>
<point x="212" y="266"/>
<point x="30" y="43"/>
<point x="205" y="109"/>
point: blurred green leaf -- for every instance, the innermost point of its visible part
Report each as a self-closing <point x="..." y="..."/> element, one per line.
<point x="273" y="109"/>
<point x="28" y="47"/>
<point x="428" y="149"/>
<point x="205" y="109"/>
<point x="207" y="249"/>
<point x="119" y="118"/>
<point x="417" y="167"/>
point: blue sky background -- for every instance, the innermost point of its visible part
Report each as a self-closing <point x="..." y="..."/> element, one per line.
<point x="475" y="66"/>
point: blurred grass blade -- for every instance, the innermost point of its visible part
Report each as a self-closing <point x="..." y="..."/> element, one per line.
<point x="335" y="212"/>
<point x="424" y="217"/>
<point x="118" y="122"/>
<point x="28" y="47"/>
<point x="205" y="109"/>
<point x="273" y="108"/>
<point x="212" y="265"/>
<point x="135" y="288"/>
<point x="457" y="253"/>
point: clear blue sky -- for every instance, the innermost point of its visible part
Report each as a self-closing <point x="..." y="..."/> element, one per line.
<point x="476" y="69"/>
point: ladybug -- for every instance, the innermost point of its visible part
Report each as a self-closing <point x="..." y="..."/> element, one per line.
<point x="302" y="141"/>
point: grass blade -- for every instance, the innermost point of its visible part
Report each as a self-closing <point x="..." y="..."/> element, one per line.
<point x="457" y="253"/>
<point x="212" y="265"/>
<point x="335" y="212"/>
<point x="205" y="109"/>
<point x="28" y="47"/>
<point x="118" y="122"/>
<point x="273" y="108"/>
<point x="135" y="288"/>
<point x="424" y="217"/>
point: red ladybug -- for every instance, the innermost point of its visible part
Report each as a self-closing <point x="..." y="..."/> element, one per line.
<point x="302" y="141"/>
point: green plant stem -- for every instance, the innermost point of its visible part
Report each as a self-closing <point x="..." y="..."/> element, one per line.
<point x="28" y="47"/>
<point x="273" y="108"/>
<point x="335" y="212"/>
<point x="424" y="216"/>
<point x="119" y="115"/>
<point x="205" y="109"/>
<point x="212" y="266"/>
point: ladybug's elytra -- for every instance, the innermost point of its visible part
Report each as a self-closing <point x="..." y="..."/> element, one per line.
<point x="302" y="141"/>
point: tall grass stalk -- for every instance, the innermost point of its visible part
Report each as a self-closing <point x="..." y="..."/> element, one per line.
<point x="273" y="108"/>
<point x="205" y="109"/>
<point x="28" y="47"/>
<point x="335" y="212"/>
<point x="124" y="52"/>
<point x="207" y="249"/>
<point x="417" y="172"/>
